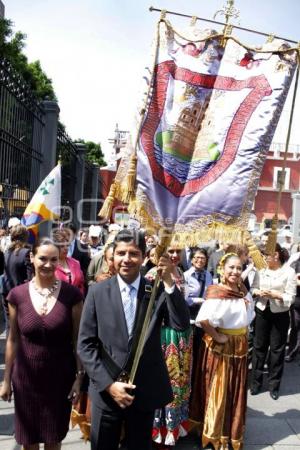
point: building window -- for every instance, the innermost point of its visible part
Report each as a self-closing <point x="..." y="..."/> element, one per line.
<point x="278" y="173"/>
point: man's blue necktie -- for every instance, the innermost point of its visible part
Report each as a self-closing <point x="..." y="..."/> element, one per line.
<point x="129" y="307"/>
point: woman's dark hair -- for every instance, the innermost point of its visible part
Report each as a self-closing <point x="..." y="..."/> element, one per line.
<point x="83" y="230"/>
<point x="43" y="241"/>
<point x="19" y="237"/>
<point x="282" y="253"/>
<point x="195" y="250"/>
<point x="135" y="236"/>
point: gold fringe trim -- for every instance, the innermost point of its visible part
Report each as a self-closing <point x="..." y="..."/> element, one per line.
<point x="107" y="206"/>
<point x="254" y="252"/>
<point x="130" y="181"/>
<point x="272" y="238"/>
<point x="125" y="187"/>
<point x="180" y="236"/>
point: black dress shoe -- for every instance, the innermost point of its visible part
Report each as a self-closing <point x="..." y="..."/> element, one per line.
<point x="255" y="390"/>
<point x="274" y="394"/>
<point x="289" y="358"/>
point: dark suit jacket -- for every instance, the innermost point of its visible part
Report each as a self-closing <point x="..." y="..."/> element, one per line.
<point x="17" y="268"/>
<point x="103" y="322"/>
<point x="213" y="262"/>
<point x="81" y="253"/>
<point x="185" y="261"/>
<point x="1" y="262"/>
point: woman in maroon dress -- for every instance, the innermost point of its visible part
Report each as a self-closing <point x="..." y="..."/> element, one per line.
<point x="40" y="361"/>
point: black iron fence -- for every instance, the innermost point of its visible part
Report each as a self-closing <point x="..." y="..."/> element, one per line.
<point x="87" y="192"/>
<point x="21" y="131"/>
<point x="24" y="132"/>
<point x="66" y="152"/>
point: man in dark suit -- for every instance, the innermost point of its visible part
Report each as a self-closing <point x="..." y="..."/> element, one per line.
<point x="78" y="250"/>
<point x="215" y="258"/>
<point x="113" y="312"/>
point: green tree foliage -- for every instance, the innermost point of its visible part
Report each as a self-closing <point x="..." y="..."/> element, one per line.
<point x="11" y="48"/>
<point x="94" y="153"/>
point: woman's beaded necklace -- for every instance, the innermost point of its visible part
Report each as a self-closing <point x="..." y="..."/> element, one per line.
<point x="45" y="293"/>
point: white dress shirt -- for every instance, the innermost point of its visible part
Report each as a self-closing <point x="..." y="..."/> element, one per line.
<point x="136" y="284"/>
<point x="123" y="289"/>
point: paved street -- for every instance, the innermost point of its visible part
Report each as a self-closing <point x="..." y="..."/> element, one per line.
<point x="271" y="425"/>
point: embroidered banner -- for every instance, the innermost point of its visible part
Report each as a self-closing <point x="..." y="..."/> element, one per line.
<point x="210" y="120"/>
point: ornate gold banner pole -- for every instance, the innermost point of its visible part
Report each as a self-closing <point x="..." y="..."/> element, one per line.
<point x="164" y="241"/>
<point x="250" y="30"/>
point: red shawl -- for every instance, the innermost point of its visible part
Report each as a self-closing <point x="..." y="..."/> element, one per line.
<point x="221" y="292"/>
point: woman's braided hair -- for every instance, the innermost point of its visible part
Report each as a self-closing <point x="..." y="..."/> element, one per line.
<point x="223" y="261"/>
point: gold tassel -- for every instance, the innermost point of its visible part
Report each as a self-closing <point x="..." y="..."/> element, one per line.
<point x="129" y="190"/>
<point x="254" y="252"/>
<point x="107" y="206"/>
<point x="272" y="238"/>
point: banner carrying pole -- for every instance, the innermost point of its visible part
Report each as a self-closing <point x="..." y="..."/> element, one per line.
<point x="249" y="30"/>
<point x="272" y="238"/>
<point x="164" y="242"/>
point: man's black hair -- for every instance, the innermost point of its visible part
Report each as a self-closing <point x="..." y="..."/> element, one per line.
<point x="135" y="236"/>
<point x="195" y="250"/>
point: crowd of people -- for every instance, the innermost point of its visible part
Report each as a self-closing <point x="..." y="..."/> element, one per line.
<point x="75" y="304"/>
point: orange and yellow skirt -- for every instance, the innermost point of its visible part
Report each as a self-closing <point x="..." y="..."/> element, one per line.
<point x="218" y="405"/>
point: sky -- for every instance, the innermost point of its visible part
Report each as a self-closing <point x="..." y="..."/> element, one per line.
<point x="95" y="52"/>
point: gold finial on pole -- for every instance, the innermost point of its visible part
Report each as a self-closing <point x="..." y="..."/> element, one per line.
<point x="163" y="14"/>
<point x="228" y="11"/>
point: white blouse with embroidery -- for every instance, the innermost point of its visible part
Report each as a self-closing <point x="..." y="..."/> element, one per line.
<point x="226" y="313"/>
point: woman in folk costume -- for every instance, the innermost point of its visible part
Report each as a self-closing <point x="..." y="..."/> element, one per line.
<point x="221" y="381"/>
<point x="171" y="422"/>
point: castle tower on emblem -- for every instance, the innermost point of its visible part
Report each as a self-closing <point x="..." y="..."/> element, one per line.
<point x="187" y="129"/>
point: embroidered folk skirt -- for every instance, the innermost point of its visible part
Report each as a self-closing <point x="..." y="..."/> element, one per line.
<point x="171" y="422"/>
<point x="220" y="392"/>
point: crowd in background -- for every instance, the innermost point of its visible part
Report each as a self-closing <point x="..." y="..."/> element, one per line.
<point x="230" y="302"/>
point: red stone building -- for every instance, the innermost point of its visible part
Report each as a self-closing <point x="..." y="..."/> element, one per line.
<point x="266" y="198"/>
